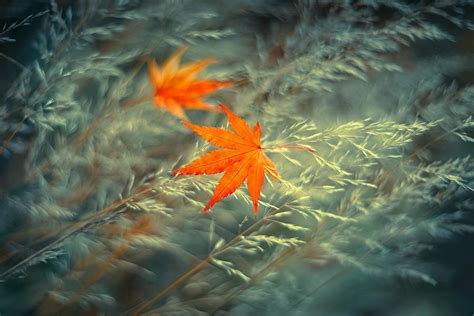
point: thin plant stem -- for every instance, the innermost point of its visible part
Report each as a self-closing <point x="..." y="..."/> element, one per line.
<point x="203" y="263"/>
<point x="198" y="267"/>
<point x="74" y="229"/>
<point x="8" y="140"/>
<point x="306" y="148"/>
<point x="103" y="267"/>
<point x="256" y="278"/>
<point x="13" y="61"/>
<point x="293" y="251"/>
<point x="82" y="138"/>
<point x="447" y="133"/>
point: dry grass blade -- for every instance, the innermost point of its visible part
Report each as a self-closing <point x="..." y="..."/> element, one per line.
<point x="71" y="231"/>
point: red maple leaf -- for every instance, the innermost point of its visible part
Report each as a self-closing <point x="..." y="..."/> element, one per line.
<point x="241" y="157"/>
<point x="176" y="87"/>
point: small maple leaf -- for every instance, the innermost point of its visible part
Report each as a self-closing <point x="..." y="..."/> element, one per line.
<point x="241" y="158"/>
<point x="177" y="88"/>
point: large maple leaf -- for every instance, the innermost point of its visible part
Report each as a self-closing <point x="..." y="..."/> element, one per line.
<point x="176" y="87"/>
<point x="241" y="157"/>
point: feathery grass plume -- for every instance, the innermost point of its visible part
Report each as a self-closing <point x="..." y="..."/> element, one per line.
<point x="92" y="220"/>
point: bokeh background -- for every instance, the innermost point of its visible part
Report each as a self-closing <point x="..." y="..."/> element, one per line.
<point x="361" y="294"/>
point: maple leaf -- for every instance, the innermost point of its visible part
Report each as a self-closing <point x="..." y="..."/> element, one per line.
<point x="241" y="157"/>
<point x="176" y="87"/>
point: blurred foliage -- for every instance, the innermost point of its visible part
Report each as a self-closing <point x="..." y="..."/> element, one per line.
<point x="92" y="222"/>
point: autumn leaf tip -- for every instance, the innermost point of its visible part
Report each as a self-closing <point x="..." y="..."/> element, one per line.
<point x="228" y="83"/>
<point x="255" y="210"/>
<point x="175" y="173"/>
<point x="180" y="51"/>
<point x="227" y="111"/>
<point x="211" y="61"/>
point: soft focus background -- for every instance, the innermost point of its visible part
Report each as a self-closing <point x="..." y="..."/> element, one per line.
<point x="378" y="222"/>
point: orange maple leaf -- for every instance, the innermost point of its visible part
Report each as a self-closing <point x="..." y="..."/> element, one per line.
<point x="241" y="158"/>
<point x="177" y="88"/>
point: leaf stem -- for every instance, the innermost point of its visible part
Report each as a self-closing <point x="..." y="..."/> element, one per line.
<point x="306" y="148"/>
